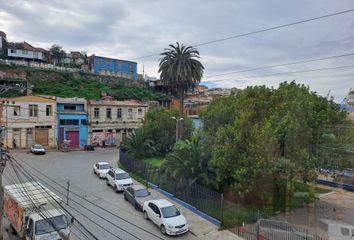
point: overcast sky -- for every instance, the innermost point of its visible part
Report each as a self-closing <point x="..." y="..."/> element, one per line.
<point x="130" y="29"/>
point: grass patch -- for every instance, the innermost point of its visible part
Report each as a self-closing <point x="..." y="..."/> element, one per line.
<point x="154" y="161"/>
<point x="302" y="187"/>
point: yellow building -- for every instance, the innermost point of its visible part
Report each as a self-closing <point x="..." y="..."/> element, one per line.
<point x="27" y="120"/>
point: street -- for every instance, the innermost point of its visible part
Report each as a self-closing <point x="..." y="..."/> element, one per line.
<point x="77" y="168"/>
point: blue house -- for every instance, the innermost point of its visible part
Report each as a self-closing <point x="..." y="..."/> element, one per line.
<point x="72" y="122"/>
<point x="113" y="67"/>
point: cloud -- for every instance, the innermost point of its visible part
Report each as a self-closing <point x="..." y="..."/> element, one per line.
<point x="129" y="29"/>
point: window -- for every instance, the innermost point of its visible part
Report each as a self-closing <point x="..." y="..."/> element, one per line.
<point x="96" y="113"/>
<point x="130" y="113"/>
<point x="108" y="61"/>
<point x="33" y="110"/>
<point x="17" y="111"/>
<point x="83" y="122"/>
<point x="70" y="107"/>
<point x="100" y="61"/>
<point x="69" y="122"/>
<point x="48" y="110"/>
<point x="12" y="51"/>
<point x="109" y="113"/>
<point x="140" y="111"/>
<point x="119" y="113"/>
<point x="344" y="231"/>
<point x="24" y="52"/>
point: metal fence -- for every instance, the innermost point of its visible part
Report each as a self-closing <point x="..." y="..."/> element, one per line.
<point x="269" y="229"/>
<point x="199" y="197"/>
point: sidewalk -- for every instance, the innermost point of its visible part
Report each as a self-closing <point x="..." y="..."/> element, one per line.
<point x="198" y="226"/>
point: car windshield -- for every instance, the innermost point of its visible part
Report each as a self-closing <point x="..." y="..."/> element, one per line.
<point x="46" y="226"/>
<point x="142" y="193"/>
<point x="37" y="147"/>
<point x="104" y="166"/>
<point x="120" y="176"/>
<point x="168" y="212"/>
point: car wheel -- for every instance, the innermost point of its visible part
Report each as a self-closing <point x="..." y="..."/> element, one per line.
<point x="163" y="229"/>
<point x="125" y="197"/>
<point x="107" y="182"/>
<point x="136" y="206"/>
<point x="146" y="215"/>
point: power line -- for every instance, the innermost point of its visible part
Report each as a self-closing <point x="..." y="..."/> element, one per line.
<point x="101" y="226"/>
<point x="280" y="65"/>
<point x="258" y="31"/>
<point x="282" y="73"/>
<point x="96" y="205"/>
<point x="26" y="174"/>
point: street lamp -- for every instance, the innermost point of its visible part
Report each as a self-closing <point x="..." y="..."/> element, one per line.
<point x="177" y="121"/>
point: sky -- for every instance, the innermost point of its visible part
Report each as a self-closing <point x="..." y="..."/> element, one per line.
<point x="131" y="29"/>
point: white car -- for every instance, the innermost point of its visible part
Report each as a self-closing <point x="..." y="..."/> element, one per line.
<point x="37" y="149"/>
<point x="118" y="179"/>
<point x="101" y="169"/>
<point x="165" y="215"/>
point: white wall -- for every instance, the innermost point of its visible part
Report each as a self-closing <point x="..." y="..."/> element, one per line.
<point x="26" y="54"/>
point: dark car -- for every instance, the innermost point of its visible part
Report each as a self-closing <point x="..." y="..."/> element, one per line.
<point x="137" y="195"/>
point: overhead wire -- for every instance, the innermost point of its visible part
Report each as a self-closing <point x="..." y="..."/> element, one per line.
<point x="100" y="225"/>
<point x="258" y="31"/>
<point x="281" y="73"/>
<point x="96" y="205"/>
<point x="13" y="160"/>
<point x="280" y="65"/>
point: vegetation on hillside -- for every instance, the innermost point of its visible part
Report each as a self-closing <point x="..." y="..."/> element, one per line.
<point x="65" y="84"/>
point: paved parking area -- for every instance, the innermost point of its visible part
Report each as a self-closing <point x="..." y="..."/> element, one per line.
<point x="77" y="168"/>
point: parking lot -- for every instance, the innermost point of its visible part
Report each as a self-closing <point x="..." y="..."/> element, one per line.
<point x="93" y="197"/>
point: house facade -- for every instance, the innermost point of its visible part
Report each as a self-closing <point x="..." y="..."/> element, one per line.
<point x="113" y="67"/>
<point x="72" y="122"/>
<point x="111" y="121"/>
<point x="3" y="45"/>
<point x="24" y="51"/>
<point x="28" y="120"/>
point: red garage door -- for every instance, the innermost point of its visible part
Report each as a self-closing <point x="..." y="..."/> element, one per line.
<point x="73" y="136"/>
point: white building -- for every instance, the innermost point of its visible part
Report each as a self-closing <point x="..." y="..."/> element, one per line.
<point x="27" y="120"/>
<point x="24" y="51"/>
<point x="111" y="121"/>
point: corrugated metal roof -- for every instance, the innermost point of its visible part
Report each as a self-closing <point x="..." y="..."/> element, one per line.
<point x="119" y="103"/>
<point x="29" y="193"/>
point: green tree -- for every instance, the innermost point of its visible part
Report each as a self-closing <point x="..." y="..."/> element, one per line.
<point x="180" y="70"/>
<point x="262" y="131"/>
<point x="188" y="161"/>
<point x="138" y="145"/>
<point x="161" y="129"/>
<point x="57" y="53"/>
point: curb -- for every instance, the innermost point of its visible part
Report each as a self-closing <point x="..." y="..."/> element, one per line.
<point x="187" y="205"/>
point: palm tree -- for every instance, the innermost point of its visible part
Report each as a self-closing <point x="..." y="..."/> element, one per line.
<point x="188" y="161"/>
<point x="138" y="144"/>
<point x="180" y="70"/>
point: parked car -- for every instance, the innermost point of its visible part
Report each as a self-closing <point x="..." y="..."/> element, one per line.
<point x="101" y="169"/>
<point x="137" y="195"/>
<point x="337" y="230"/>
<point x="166" y="216"/>
<point x="118" y="179"/>
<point x="37" y="149"/>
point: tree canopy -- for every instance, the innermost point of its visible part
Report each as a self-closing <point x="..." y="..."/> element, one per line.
<point x="264" y="133"/>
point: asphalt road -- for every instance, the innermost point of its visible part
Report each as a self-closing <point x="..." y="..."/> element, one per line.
<point x="76" y="167"/>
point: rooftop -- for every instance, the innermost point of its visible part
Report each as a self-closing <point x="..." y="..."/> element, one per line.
<point x="129" y="103"/>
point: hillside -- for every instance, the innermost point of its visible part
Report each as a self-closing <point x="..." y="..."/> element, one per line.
<point x="64" y="84"/>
